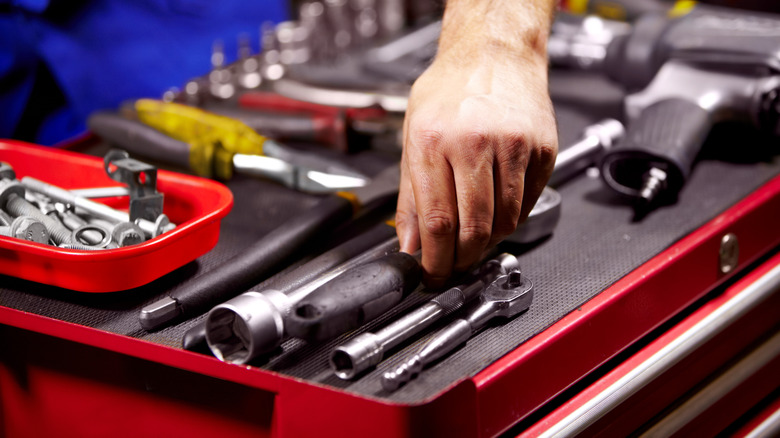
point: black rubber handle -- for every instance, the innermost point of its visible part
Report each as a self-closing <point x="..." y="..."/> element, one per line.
<point x="195" y="337"/>
<point x="355" y="297"/>
<point x="262" y="258"/>
<point x="667" y="135"/>
<point x="137" y="138"/>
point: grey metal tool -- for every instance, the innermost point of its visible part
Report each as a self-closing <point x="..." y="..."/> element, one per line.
<point x="367" y="350"/>
<point x="254" y="322"/>
<point x="587" y="151"/>
<point x="296" y="177"/>
<point x="508" y="296"/>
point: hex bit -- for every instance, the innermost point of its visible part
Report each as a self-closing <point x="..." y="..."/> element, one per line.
<point x="508" y="296"/>
<point x="368" y="349"/>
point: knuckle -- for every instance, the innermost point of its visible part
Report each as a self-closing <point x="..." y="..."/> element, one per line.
<point x="475" y="232"/>
<point x="548" y="151"/>
<point x="405" y="219"/>
<point x="439" y="223"/>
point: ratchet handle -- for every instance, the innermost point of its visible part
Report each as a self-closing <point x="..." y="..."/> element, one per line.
<point x="668" y="135"/>
<point x="264" y="257"/>
<point x="355" y="297"/>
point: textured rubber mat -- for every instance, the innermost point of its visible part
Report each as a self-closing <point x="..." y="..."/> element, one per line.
<point x="596" y="243"/>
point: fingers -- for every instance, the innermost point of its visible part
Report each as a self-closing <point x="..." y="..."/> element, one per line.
<point x="406" y="214"/>
<point x="540" y="167"/>
<point x="474" y="186"/>
<point x="509" y="181"/>
<point x="427" y="204"/>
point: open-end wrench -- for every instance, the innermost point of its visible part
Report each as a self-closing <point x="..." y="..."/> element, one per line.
<point x="508" y="296"/>
<point x="368" y="349"/>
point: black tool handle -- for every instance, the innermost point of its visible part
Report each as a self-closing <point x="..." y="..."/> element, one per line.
<point x="262" y="258"/>
<point x="355" y="297"/>
<point x="195" y="337"/>
<point x="667" y="135"/>
<point x="137" y="138"/>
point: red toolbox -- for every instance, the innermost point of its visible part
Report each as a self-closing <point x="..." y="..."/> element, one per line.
<point x="197" y="205"/>
<point x="610" y="294"/>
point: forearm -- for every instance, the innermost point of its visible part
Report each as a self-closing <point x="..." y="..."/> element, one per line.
<point x="475" y="28"/>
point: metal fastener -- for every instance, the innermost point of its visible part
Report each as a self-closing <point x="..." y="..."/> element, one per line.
<point x="12" y="200"/>
<point x="26" y="228"/>
<point x="151" y="229"/>
<point x="728" y="255"/>
<point x="6" y="171"/>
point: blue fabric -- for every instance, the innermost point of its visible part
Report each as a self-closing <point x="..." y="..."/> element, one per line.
<point x="102" y="52"/>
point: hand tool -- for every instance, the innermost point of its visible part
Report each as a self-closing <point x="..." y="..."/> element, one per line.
<point x="255" y="323"/>
<point x="257" y="315"/>
<point x="508" y="296"/>
<point x="306" y="275"/>
<point x="367" y="349"/>
<point x="339" y="127"/>
<point x="215" y="162"/>
<point x="692" y="71"/>
<point x="587" y="151"/>
<point x="355" y="297"/>
<point x="268" y="255"/>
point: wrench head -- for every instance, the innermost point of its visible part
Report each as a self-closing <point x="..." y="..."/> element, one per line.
<point x="511" y="294"/>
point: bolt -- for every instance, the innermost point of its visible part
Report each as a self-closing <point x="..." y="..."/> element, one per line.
<point x="127" y="233"/>
<point x="152" y="229"/>
<point x="72" y="221"/>
<point x="12" y="200"/>
<point x="26" y="228"/>
<point x="80" y="246"/>
<point x="6" y="171"/>
<point x="5" y="218"/>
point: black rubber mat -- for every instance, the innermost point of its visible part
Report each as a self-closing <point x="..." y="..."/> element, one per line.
<point x="596" y="243"/>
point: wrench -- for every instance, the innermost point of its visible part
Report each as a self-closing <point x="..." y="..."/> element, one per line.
<point x="508" y="296"/>
<point x="367" y="349"/>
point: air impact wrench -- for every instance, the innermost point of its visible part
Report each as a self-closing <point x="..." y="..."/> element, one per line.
<point x="684" y="75"/>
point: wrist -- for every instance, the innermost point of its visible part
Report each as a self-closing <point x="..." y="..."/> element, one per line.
<point x="475" y="29"/>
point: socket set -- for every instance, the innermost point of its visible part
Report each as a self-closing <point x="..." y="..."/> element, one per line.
<point x="52" y="232"/>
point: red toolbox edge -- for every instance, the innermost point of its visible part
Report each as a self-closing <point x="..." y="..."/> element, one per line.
<point x="499" y="395"/>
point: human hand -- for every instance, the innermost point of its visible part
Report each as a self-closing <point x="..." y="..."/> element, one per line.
<point x="480" y="143"/>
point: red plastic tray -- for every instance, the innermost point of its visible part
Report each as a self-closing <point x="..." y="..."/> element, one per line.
<point x="195" y="204"/>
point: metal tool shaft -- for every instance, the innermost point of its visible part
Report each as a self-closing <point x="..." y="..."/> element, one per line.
<point x="587" y="150"/>
<point x="507" y="296"/>
<point x="367" y="349"/>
